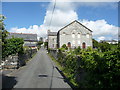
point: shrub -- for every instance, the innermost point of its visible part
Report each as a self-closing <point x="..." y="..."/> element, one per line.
<point x="65" y="47"/>
<point x="102" y="69"/>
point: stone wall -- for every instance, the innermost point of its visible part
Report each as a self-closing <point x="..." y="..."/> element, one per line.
<point x="10" y="62"/>
<point x="18" y="60"/>
<point x="54" y="53"/>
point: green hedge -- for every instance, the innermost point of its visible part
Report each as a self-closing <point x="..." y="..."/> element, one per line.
<point x="97" y="69"/>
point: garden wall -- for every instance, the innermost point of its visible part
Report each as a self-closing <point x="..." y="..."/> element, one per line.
<point x="18" y="60"/>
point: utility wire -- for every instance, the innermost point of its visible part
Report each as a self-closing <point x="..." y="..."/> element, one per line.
<point x="52" y="14"/>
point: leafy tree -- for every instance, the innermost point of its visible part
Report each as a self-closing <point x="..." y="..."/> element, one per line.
<point x="39" y="44"/>
<point x="95" y="43"/>
<point x="77" y="50"/>
<point x="104" y="46"/>
<point x="12" y="46"/>
<point x="46" y="44"/>
<point x="65" y="47"/>
<point x="90" y="68"/>
<point x="3" y="34"/>
<point x="2" y="28"/>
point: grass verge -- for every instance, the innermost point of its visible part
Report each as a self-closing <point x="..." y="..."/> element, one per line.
<point x="71" y="82"/>
<point x="56" y="62"/>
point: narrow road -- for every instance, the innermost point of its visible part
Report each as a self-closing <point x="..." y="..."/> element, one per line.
<point x="39" y="73"/>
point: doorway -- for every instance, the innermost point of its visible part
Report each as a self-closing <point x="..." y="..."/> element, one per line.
<point x="83" y="45"/>
<point x="69" y="44"/>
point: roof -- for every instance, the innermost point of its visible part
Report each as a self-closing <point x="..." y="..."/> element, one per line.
<point x="108" y="41"/>
<point x="52" y="33"/>
<point x="111" y="41"/>
<point x="72" y="23"/>
<point x="25" y="36"/>
<point x="28" y="44"/>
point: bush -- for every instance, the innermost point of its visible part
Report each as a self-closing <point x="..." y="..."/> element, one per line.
<point x="12" y="46"/>
<point x="102" y="69"/>
<point x="65" y="47"/>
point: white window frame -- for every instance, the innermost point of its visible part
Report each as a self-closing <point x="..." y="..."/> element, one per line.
<point x="64" y="33"/>
<point x="78" y="42"/>
<point x="73" y="35"/>
<point x="78" y="35"/>
<point x="87" y="35"/>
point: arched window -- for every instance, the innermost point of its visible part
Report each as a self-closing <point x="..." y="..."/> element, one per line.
<point x="78" y="42"/>
<point x="78" y="35"/>
<point x="64" y="33"/>
<point x="73" y="35"/>
<point x="87" y="35"/>
<point x="73" y="42"/>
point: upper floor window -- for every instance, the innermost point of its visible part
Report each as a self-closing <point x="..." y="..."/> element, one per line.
<point x="87" y="35"/>
<point x="78" y="35"/>
<point x="78" y="42"/>
<point x="73" y="35"/>
<point x="64" y="33"/>
<point x="73" y="42"/>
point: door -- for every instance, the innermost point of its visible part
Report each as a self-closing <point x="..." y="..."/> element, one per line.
<point x="83" y="45"/>
<point x="69" y="44"/>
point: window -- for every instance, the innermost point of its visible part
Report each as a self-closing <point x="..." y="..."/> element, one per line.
<point x="64" y="33"/>
<point x="78" y="35"/>
<point x="78" y="42"/>
<point x="73" y="35"/>
<point x="73" y="42"/>
<point x="87" y="35"/>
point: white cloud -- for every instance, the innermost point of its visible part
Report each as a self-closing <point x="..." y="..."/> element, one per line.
<point x="35" y="29"/>
<point x="101" y="28"/>
<point x="63" y="15"/>
<point x="101" y="38"/>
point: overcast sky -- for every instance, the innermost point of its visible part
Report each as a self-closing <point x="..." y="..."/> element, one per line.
<point x="34" y="17"/>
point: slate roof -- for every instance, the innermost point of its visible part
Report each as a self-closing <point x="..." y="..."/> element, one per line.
<point x="28" y="44"/>
<point x="52" y="33"/>
<point x="108" y="41"/>
<point x="25" y="36"/>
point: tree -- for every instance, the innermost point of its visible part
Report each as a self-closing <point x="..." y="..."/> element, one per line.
<point x="104" y="46"/>
<point x="12" y="46"/>
<point x="95" y="43"/>
<point x="65" y="47"/>
<point x="9" y="46"/>
<point x="46" y="44"/>
<point x="3" y="34"/>
<point x="39" y="44"/>
<point x="3" y="31"/>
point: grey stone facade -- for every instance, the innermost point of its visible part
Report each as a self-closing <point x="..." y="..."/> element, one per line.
<point x="52" y="39"/>
<point x="74" y="34"/>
